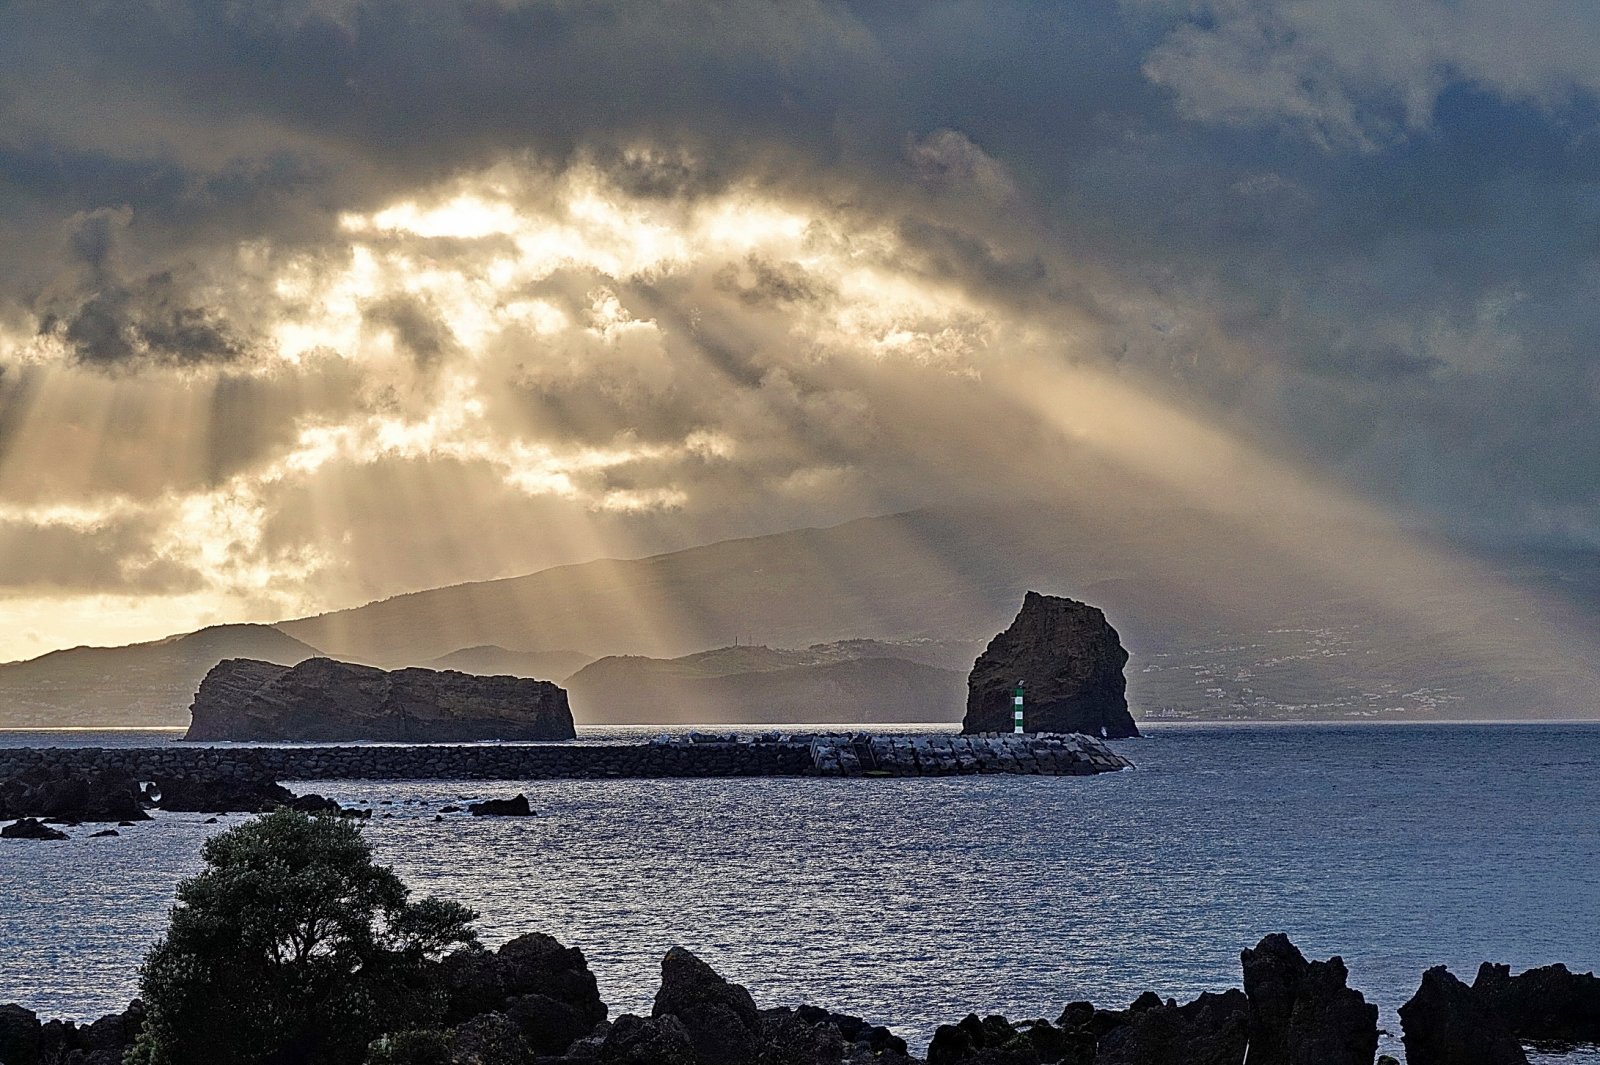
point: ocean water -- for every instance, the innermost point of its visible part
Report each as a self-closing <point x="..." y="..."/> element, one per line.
<point x="912" y="902"/>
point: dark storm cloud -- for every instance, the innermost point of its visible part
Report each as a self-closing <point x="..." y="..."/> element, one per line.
<point x="1355" y="227"/>
<point x="111" y="556"/>
<point x="416" y="326"/>
<point x="952" y="254"/>
<point x="107" y="319"/>
<point x="759" y="281"/>
<point x="119" y="324"/>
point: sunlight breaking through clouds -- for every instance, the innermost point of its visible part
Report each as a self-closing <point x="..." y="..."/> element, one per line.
<point x="613" y="353"/>
<point x="316" y="304"/>
<point x="522" y="367"/>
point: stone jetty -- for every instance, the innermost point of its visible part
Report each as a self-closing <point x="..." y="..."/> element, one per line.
<point x="692" y="755"/>
<point x="1043" y="753"/>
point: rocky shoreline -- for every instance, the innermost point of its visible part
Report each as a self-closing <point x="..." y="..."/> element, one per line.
<point x="534" y="1001"/>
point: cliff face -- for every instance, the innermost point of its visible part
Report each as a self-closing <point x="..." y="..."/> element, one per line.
<point x="1070" y="661"/>
<point x="320" y="699"/>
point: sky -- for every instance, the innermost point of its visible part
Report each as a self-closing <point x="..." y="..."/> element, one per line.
<point x="310" y="302"/>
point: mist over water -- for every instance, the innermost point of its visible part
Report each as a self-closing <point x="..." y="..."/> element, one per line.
<point x="912" y="902"/>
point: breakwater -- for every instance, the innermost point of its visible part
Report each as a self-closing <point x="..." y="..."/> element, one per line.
<point x="773" y="755"/>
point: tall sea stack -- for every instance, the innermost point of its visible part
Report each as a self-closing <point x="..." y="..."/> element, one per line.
<point x="1069" y="660"/>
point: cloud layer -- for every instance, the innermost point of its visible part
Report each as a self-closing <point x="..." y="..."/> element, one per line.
<point x="321" y="301"/>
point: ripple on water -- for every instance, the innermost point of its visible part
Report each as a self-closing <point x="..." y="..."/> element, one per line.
<point x="914" y="901"/>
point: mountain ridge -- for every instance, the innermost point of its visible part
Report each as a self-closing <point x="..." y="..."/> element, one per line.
<point x="1222" y="620"/>
<point x="491" y="659"/>
<point x="138" y="684"/>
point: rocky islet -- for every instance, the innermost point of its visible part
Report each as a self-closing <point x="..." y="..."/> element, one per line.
<point x="1064" y="653"/>
<point x="323" y="699"/>
<point x="1069" y="662"/>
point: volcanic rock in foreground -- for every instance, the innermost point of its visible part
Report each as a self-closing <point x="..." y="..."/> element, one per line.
<point x="320" y="699"/>
<point x="1445" y="1023"/>
<point x="1069" y="660"/>
<point x="721" y="1018"/>
<point x="1550" y="1003"/>
<point x="1302" y="1012"/>
<point x="545" y="989"/>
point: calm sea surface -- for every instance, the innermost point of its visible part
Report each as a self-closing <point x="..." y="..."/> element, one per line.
<point x="912" y="902"/>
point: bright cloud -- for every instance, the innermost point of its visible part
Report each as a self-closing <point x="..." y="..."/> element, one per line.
<point x="453" y="290"/>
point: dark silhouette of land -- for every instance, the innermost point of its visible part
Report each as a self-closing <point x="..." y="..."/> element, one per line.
<point x="1221" y="619"/>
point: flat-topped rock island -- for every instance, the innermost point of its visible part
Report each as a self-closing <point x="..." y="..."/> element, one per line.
<point x="321" y="699"/>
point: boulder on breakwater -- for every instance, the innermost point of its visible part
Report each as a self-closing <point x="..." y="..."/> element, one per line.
<point x="1034" y="753"/>
<point x="71" y="793"/>
<point x="321" y="699"/>
<point x="1069" y="661"/>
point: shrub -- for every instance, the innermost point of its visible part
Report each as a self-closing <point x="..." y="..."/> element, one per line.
<point x="291" y="948"/>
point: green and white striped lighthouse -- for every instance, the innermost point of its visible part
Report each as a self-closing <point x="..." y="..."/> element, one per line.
<point x="1016" y="708"/>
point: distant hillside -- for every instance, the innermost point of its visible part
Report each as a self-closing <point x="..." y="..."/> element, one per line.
<point x="635" y="690"/>
<point x="954" y="655"/>
<point x="140" y="684"/>
<point x="489" y="661"/>
<point x="1260" y="616"/>
<point x="936" y="574"/>
<point x="958" y="655"/>
<point x="1251" y="617"/>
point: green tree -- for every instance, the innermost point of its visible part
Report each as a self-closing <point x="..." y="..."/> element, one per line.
<point x="292" y="948"/>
